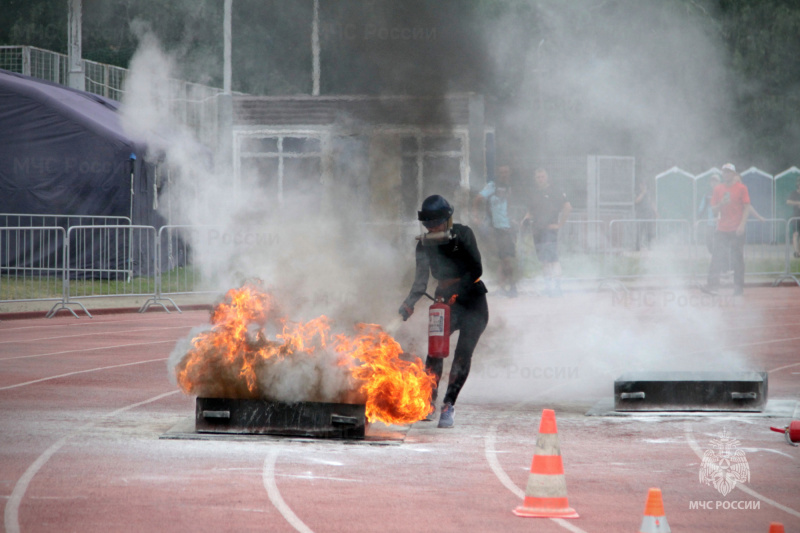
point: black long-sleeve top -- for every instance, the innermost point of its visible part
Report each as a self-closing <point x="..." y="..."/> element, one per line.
<point x="458" y="258"/>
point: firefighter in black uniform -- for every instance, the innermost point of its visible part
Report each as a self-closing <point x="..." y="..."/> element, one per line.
<point x="450" y="253"/>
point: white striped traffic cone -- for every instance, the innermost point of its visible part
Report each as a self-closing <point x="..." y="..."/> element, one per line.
<point x="654" y="520"/>
<point x="546" y="492"/>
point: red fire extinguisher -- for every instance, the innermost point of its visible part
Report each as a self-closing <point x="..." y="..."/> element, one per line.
<point x="439" y="329"/>
<point x="792" y="432"/>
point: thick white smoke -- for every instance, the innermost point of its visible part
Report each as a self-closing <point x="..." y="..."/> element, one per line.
<point x="316" y="259"/>
<point x="320" y="258"/>
<point x="648" y="78"/>
<point x="650" y="72"/>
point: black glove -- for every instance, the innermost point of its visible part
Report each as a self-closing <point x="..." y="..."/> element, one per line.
<point x="405" y="311"/>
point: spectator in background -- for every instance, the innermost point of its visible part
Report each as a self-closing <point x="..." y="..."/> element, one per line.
<point x="794" y="201"/>
<point x="495" y="197"/>
<point x="645" y="212"/>
<point x="731" y="202"/>
<point x="705" y="212"/>
<point x="548" y="210"/>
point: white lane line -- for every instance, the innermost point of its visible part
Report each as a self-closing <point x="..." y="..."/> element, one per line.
<point x="744" y="344"/>
<point x="268" y="477"/>
<point x="687" y="428"/>
<point x="80" y="372"/>
<point x="494" y="463"/>
<point x="85" y="350"/>
<point x="783" y="368"/>
<point x="125" y="332"/>
<point x="762" y="326"/>
<point x="11" y="515"/>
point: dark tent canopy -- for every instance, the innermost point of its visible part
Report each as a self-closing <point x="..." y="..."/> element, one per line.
<point x="64" y="152"/>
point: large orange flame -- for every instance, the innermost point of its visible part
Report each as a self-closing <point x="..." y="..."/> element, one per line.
<point x="398" y="391"/>
<point x="234" y="358"/>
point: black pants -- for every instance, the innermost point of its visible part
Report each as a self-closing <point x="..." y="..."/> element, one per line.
<point x="471" y="320"/>
<point x="727" y="246"/>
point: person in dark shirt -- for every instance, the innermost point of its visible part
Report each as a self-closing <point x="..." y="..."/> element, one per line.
<point x="794" y="201"/>
<point x="450" y="254"/>
<point x="548" y="209"/>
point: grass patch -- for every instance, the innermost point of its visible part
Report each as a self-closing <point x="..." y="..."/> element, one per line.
<point x="183" y="279"/>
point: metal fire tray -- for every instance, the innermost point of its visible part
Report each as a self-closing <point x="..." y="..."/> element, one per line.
<point x="691" y="391"/>
<point x="264" y="417"/>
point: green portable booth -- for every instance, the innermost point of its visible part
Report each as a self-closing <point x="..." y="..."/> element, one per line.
<point x="675" y="194"/>
<point x="674" y="201"/>
<point x="785" y="183"/>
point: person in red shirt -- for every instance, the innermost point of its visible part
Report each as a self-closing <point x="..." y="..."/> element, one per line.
<point x="731" y="202"/>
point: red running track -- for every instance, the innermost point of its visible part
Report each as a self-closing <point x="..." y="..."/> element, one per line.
<point x="83" y="403"/>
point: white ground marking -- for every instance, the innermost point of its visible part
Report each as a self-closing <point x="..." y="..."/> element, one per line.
<point x="784" y="368"/>
<point x="84" y="350"/>
<point x="91" y="334"/>
<point x="11" y="517"/>
<point x="745" y="344"/>
<point x="494" y="464"/>
<point x="687" y="427"/>
<point x="268" y="477"/>
<point x="80" y="372"/>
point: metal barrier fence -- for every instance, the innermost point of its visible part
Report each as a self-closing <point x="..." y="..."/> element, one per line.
<point x="581" y="244"/>
<point x="85" y="261"/>
<point x="63" y="221"/>
<point x="36" y="62"/>
<point x="108" y="261"/>
<point x="174" y="271"/>
<point x="647" y="248"/>
<point x="583" y="236"/>
<point x="31" y="263"/>
<point x="791" y="250"/>
<point x="764" y="253"/>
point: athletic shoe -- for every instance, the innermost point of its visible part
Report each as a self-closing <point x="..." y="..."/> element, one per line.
<point x="447" y="418"/>
<point x="708" y="289"/>
<point x="430" y="416"/>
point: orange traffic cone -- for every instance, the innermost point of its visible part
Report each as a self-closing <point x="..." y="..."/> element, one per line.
<point x="775" y="527"/>
<point x="546" y="492"/>
<point x="654" y="519"/>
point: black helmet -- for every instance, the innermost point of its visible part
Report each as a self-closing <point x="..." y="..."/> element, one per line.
<point x="435" y="210"/>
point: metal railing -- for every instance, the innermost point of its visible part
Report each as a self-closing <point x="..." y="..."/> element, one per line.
<point x="72" y="265"/>
<point x="792" y="227"/>
<point x="764" y="252"/>
<point x="174" y="271"/>
<point x="31" y="263"/>
<point x="647" y="248"/>
<point x="63" y="221"/>
<point x="107" y="261"/>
